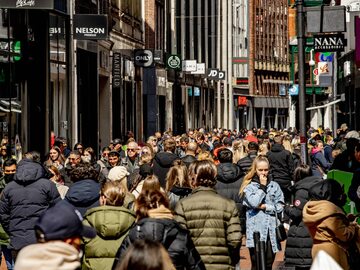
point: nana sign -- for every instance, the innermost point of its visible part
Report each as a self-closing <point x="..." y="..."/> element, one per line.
<point x="27" y="4"/>
<point x="329" y="43"/>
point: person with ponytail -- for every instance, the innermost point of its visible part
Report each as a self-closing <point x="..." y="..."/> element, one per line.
<point x="112" y="222"/>
<point x="156" y="222"/>
<point x="264" y="200"/>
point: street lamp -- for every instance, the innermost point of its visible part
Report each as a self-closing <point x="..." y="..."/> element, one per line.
<point x="301" y="48"/>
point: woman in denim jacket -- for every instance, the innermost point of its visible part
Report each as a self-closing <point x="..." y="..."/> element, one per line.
<point x="264" y="199"/>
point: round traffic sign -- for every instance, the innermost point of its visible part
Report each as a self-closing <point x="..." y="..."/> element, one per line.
<point x="316" y="71"/>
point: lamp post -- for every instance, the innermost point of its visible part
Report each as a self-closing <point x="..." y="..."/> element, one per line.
<point x="301" y="72"/>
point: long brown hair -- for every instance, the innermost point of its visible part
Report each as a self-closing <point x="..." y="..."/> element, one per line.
<point x="148" y="200"/>
<point x="252" y="172"/>
<point x="114" y="193"/>
<point x="151" y="182"/>
<point x="177" y="176"/>
<point x="146" y="254"/>
<point x="205" y="173"/>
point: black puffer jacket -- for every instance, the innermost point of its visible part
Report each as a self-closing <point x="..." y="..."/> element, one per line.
<point x="163" y="161"/>
<point x="176" y="194"/>
<point x="299" y="242"/>
<point x="281" y="165"/>
<point x="246" y="162"/>
<point x="229" y="180"/>
<point x="188" y="159"/>
<point x="24" y="200"/>
<point x="174" y="238"/>
<point x="84" y="195"/>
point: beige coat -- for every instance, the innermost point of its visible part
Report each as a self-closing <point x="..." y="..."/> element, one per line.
<point x="330" y="229"/>
<point x="53" y="255"/>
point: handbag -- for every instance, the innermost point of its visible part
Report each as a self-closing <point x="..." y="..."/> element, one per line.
<point x="280" y="231"/>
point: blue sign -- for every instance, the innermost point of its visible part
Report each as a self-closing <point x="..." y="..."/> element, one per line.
<point x="294" y="90"/>
<point x="282" y="90"/>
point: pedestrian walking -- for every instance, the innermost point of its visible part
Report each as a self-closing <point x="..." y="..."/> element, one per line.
<point x="212" y="220"/>
<point x="328" y="225"/>
<point x="58" y="232"/>
<point x="299" y="242"/>
<point x="155" y="222"/>
<point x="264" y="201"/>
<point x="112" y="221"/>
<point x="24" y="200"/>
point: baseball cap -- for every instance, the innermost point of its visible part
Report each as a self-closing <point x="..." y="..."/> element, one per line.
<point x="116" y="141"/>
<point x="62" y="221"/>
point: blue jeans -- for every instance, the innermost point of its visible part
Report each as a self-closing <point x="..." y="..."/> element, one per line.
<point x="8" y="258"/>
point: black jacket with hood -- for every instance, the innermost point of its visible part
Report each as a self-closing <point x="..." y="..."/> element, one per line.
<point x="299" y="242"/>
<point x="84" y="194"/>
<point x="229" y="180"/>
<point x="281" y="165"/>
<point x="163" y="161"/>
<point x="24" y="200"/>
<point x="174" y="238"/>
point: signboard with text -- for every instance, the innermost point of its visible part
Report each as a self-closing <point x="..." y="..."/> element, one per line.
<point x="27" y="4"/>
<point x="143" y="58"/>
<point x="90" y="26"/>
<point x="329" y="43"/>
<point x="173" y="61"/>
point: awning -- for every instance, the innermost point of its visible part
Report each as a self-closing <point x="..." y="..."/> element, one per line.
<point x="5" y="106"/>
<point x="270" y="102"/>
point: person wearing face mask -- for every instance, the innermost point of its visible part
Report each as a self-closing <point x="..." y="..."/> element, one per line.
<point x="264" y="200"/>
<point x="9" y="170"/>
<point x="327" y="222"/>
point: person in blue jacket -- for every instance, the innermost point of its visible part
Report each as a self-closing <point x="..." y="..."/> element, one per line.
<point x="264" y="201"/>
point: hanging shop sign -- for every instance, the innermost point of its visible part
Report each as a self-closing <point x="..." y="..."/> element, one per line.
<point x="200" y="69"/>
<point x="116" y="70"/>
<point x="173" y="61"/>
<point x="216" y="74"/>
<point x="189" y="65"/>
<point x="90" y="26"/>
<point x="294" y="90"/>
<point x="60" y="5"/>
<point x="324" y="57"/>
<point x="143" y="58"/>
<point x="242" y="101"/>
<point x="329" y="43"/>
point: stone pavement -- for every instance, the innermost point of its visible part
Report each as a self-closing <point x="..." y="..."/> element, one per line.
<point x="245" y="261"/>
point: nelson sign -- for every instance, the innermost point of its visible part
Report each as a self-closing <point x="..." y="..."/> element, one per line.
<point x="329" y="43"/>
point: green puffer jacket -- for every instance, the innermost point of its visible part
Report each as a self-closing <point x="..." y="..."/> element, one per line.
<point x="214" y="225"/>
<point x="112" y="224"/>
<point x="4" y="238"/>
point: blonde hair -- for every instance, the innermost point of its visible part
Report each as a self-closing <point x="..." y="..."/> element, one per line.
<point x="287" y="145"/>
<point x="252" y="172"/>
<point x="205" y="155"/>
<point x="239" y="150"/>
<point x="114" y="193"/>
<point x="177" y="176"/>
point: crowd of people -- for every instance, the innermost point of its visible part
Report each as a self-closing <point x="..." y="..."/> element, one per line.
<point x="181" y="201"/>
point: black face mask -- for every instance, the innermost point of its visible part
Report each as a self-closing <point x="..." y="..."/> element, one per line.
<point x="9" y="177"/>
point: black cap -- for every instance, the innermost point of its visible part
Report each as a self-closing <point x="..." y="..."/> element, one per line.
<point x="62" y="221"/>
<point x="116" y="141"/>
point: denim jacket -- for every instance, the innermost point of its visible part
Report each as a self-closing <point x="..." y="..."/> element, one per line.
<point x="262" y="221"/>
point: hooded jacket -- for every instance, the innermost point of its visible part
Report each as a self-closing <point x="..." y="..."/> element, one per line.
<point x="176" y="194"/>
<point x="84" y="195"/>
<point x="299" y="241"/>
<point x="281" y="165"/>
<point x="167" y="231"/>
<point x="229" y="180"/>
<point x="112" y="224"/>
<point x="330" y="229"/>
<point x="24" y="200"/>
<point x="53" y="255"/>
<point x="163" y="161"/>
<point x="318" y="160"/>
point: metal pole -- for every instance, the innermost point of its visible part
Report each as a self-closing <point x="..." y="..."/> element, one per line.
<point x="9" y="150"/>
<point x="301" y="72"/>
<point x="335" y="123"/>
